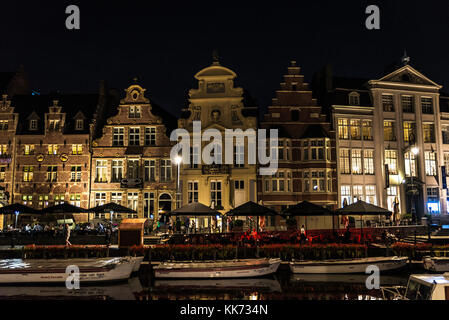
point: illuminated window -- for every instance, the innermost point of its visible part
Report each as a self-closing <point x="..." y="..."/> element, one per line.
<point x="215" y="192"/>
<point x="367" y="130"/>
<point x="430" y="163"/>
<point x="428" y="132"/>
<point x="100" y="198"/>
<point x="77" y="149"/>
<point x="355" y="129"/>
<point x="52" y="149"/>
<point x="392" y="197"/>
<point x="389" y="134"/>
<point x="75" y="199"/>
<point x="116" y="197"/>
<point x="370" y="194"/>
<point x="368" y="161"/>
<point x="101" y="171"/>
<point x="391" y="160"/>
<point x="75" y="174"/>
<point x="148" y="205"/>
<point x="133" y="169"/>
<point x="52" y="173"/>
<point x="409" y="131"/>
<point x="27" y="199"/>
<point x="43" y="200"/>
<point x="117" y="170"/>
<point x="29" y="149"/>
<point x="344" y="161"/>
<point x="356" y="161"/>
<point x="133" y="200"/>
<point x="345" y="193"/>
<point x="28" y="173"/>
<point x="357" y="193"/>
<point x="410" y="164"/>
<point x="343" y="128"/>
<point x="3" y="149"/>
<point x="54" y="125"/>
<point x="59" y="199"/>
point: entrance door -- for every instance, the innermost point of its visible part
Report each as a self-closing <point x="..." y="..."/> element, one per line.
<point x="239" y="192"/>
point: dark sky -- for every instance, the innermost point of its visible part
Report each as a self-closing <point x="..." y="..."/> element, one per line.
<point x="166" y="43"/>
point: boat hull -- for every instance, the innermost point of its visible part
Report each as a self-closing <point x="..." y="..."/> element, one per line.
<point x="237" y="269"/>
<point x="54" y="271"/>
<point x="137" y="262"/>
<point x="347" y="266"/>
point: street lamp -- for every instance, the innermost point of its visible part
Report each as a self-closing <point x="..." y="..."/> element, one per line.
<point x="178" y="160"/>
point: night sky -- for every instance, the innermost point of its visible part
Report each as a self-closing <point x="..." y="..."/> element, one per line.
<point x="165" y="43"/>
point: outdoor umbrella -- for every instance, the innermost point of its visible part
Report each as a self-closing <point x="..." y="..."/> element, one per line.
<point x="363" y="208"/>
<point x="252" y="209"/>
<point x="112" y="208"/>
<point x="306" y="209"/>
<point x="17" y="208"/>
<point x="63" y="209"/>
<point x="195" y="209"/>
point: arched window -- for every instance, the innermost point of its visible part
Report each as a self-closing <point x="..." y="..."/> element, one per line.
<point x="165" y="201"/>
<point x="354" y="99"/>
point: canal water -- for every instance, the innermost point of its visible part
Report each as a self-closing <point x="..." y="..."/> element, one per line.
<point x="283" y="285"/>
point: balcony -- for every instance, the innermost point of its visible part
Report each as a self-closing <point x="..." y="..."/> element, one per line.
<point x="216" y="169"/>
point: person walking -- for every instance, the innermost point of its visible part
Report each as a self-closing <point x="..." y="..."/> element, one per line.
<point x="67" y="235"/>
<point x="108" y="235"/>
<point x="302" y="236"/>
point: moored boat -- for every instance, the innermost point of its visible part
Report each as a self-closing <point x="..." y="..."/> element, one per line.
<point x="347" y="265"/>
<point x="420" y="287"/>
<point x="137" y="262"/>
<point x="31" y="271"/>
<point x="436" y="264"/>
<point x="245" y="268"/>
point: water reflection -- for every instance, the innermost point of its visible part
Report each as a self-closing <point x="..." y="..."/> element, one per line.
<point x="280" y="287"/>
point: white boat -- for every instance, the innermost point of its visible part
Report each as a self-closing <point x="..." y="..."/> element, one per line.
<point x="420" y="287"/>
<point x="271" y="285"/>
<point x="245" y="268"/>
<point x="30" y="271"/>
<point x="137" y="262"/>
<point x="347" y="265"/>
<point x="436" y="264"/>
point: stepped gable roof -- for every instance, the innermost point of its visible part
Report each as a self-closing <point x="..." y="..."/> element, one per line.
<point x="36" y="106"/>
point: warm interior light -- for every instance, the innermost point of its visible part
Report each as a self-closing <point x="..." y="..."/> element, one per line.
<point x="415" y="150"/>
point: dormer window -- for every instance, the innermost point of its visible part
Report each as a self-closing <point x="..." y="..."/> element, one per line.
<point x="33" y="124"/>
<point x="354" y="99"/>
<point x="134" y="111"/>
<point x="79" y="124"/>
